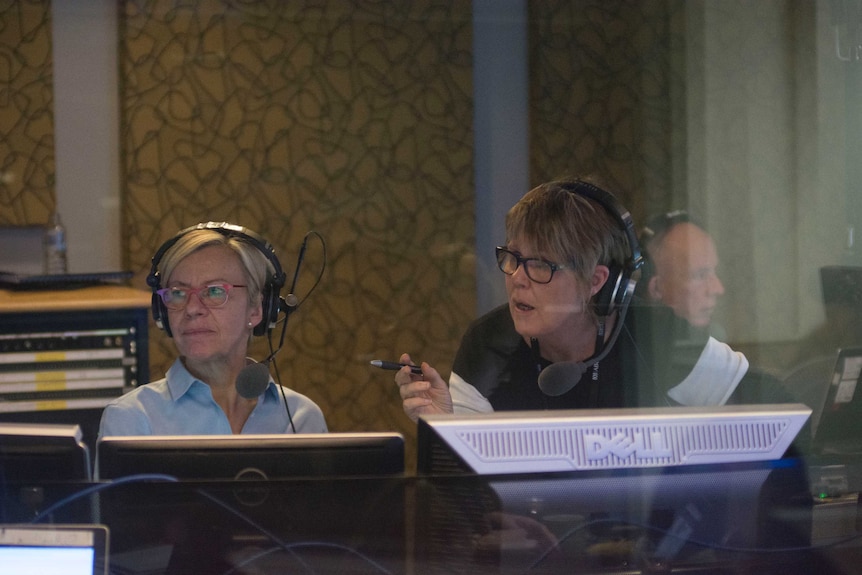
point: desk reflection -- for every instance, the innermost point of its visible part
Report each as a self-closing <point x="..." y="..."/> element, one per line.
<point x="730" y="519"/>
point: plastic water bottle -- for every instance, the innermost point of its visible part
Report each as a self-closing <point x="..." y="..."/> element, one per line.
<point x="55" y="247"/>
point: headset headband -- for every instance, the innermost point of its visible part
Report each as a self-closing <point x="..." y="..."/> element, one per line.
<point x="620" y="215"/>
<point x="270" y="290"/>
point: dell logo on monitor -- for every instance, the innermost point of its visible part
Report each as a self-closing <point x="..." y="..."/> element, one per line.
<point x="599" y="447"/>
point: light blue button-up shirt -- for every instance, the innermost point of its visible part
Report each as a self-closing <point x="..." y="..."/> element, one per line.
<point x="181" y="404"/>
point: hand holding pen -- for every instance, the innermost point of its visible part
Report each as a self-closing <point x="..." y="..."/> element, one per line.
<point x="422" y="392"/>
<point x="391" y="365"/>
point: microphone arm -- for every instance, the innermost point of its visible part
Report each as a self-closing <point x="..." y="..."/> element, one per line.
<point x="289" y="303"/>
<point x="560" y="377"/>
<point x="253" y="379"/>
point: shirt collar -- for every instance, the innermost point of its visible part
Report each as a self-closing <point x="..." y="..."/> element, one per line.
<point x="180" y="381"/>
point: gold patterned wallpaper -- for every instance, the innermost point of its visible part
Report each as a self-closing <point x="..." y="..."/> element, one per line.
<point x="26" y="114"/>
<point x="354" y="120"/>
<point x="604" y="80"/>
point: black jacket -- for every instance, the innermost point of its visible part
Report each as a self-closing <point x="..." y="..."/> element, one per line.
<point x="654" y="352"/>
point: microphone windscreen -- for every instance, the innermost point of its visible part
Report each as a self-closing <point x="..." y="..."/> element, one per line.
<point x="252" y="380"/>
<point x="560" y="377"/>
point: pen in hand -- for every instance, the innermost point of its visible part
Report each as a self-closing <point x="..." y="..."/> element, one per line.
<point x="391" y="365"/>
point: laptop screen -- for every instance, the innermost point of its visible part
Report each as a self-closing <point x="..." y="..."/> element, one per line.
<point x="840" y="426"/>
<point x="53" y="549"/>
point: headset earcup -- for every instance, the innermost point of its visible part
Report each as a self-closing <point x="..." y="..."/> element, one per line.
<point x="160" y="314"/>
<point x="159" y="311"/>
<point x="269" y="306"/>
<point x="605" y="301"/>
<point x="624" y="290"/>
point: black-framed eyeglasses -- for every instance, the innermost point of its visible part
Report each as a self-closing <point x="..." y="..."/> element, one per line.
<point x="213" y="295"/>
<point x="539" y="270"/>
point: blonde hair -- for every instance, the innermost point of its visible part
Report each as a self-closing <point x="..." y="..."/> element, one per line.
<point x="257" y="269"/>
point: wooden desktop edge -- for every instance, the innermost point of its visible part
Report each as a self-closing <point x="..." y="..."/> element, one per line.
<point x="86" y="298"/>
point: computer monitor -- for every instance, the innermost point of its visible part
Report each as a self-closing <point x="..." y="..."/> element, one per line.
<point x="591" y="439"/>
<point x="608" y="488"/>
<point x="43" y="453"/>
<point x="41" y="465"/>
<point x="842" y="286"/>
<point x="251" y="457"/>
<point x="340" y="494"/>
<point x="839" y="429"/>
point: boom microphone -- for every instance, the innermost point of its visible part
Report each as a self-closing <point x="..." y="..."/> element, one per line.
<point x="253" y="379"/>
<point x="560" y="377"/>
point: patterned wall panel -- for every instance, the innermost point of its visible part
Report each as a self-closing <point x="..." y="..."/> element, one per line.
<point x="601" y="98"/>
<point x="352" y="119"/>
<point x="26" y="114"/>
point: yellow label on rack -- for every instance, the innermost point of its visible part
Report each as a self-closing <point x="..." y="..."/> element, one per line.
<point x="51" y="356"/>
<point x="49" y="375"/>
<point x="50" y="385"/>
<point x="50" y="405"/>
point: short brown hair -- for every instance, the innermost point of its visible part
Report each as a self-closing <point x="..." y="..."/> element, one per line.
<point x="570" y="227"/>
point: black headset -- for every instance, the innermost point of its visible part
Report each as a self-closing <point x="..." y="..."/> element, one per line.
<point x="618" y="289"/>
<point x="271" y="301"/>
<point x="560" y="377"/>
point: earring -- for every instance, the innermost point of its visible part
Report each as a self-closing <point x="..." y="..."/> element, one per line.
<point x="249" y="324"/>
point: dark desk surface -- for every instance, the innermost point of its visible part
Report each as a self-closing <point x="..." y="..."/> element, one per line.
<point x="753" y="518"/>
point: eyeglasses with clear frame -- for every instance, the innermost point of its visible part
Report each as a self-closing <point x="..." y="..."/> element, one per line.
<point x="212" y="295"/>
<point x="538" y="270"/>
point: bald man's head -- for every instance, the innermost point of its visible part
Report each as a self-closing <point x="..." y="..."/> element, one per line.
<point x="685" y="260"/>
